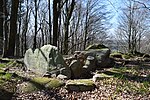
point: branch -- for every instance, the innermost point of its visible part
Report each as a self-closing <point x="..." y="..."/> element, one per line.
<point x="145" y="6"/>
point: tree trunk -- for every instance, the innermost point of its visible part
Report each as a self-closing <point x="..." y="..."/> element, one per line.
<point x="50" y="26"/>
<point x="86" y="25"/>
<point x="55" y="22"/>
<point x="17" y="51"/>
<point x="13" y="28"/>
<point x="18" y="44"/>
<point x="35" y="34"/>
<point x="1" y="19"/>
<point x="69" y="11"/>
<point x="1" y="25"/>
<point x="5" y="29"/>
<point x="26" y="28"/>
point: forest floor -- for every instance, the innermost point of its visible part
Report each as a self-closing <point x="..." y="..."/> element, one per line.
<point x="130" y="82"/>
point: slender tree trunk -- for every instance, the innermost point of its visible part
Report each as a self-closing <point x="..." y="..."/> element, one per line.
<point x="86" y="25"/>
<point x="55" y="22"/>
<point x="35" y="34"/>
<point x="66" y="41"/>
<point x="18" y="44"/>
<point x="59" y="32"/>
<point x="13" y="28"/>
<point x="17" y="53"/>
<point x="26" y="27"/>
<point x="50" y="25"/>
<point x="139" y="42"/>
<point x="1" y="25"/>
<point x="5" y="29"/>
<point x="1" y="19"/>
<point x="69" y="11"/>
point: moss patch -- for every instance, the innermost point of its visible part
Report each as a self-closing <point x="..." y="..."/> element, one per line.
<point x="103" y="75"/>
<point x="116" y="55"/>
<point x="1" y="71"/>
<point x="54" y="83"/>
<point x="41" y="80"/>
<point x="80" y="85"/>
<point x="2" y="65"/>
<point x="27" y="87"/>
<point x="7" y="76"/>
<point x="48" y="82"/>
<point x="96" y="46"/>
<point x="126" y="56"/>
<point x="81" y="81"/>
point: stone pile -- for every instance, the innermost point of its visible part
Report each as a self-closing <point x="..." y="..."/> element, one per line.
<point x="47" y="61"/>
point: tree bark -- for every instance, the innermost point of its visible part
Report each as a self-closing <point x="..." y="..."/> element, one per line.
<point x="5" y="29"/>
<point x="1" y="25"/>
<point x="69" y="11"/>
<point x="55" y="22"/>
<point x="35" y="34"/>
<point x="1" y="19"/>
<point x="13" y="28"/>
<point x="50" y="26"/>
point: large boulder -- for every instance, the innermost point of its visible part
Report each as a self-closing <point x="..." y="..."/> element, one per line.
<point x="89" y="64"/>
<point x="46" y="59"/>
<point x="82" y="63"/>
<point x="76" y="68"/>
<point x="101" y="57"/>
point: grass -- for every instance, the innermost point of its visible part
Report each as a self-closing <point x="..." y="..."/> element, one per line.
<point x="133" y="87"/>
<point x="2" y="65"/>
<point x="6" y="77"/>
<point x="128" y="80"/>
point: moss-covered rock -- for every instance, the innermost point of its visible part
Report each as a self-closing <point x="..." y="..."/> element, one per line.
<point x="48" y="82"/>
<point x="27" y="87"/>
<point x="96" y="46"/>
<point x="101" y="58"/>
<point x="76" y="68"/>
<point x="41" y="80"/>
<point x="116" y="55"/>
<point x="124" y="56"/>
<point x="80" y="85"/>
<point x="54" y="83"/>
<point x="101" y="76"/>
<point x="45" y="60"/>
<point x="146" y="56"/>
<point x="39" y="83"/>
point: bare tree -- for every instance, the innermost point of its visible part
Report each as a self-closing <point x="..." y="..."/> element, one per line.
<point x="13" y="28"/>
<point x="50" y="26"/>
<point x="68" y="14"/>
<point x="35" y="22"/>
<point x="25" y="25"/>
<point x="56" y="13"/>
<point x="132" y="25"/>
<point x="5" y="28"/>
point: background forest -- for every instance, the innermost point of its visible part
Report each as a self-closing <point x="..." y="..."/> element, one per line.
<point x="73" y="25"/>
